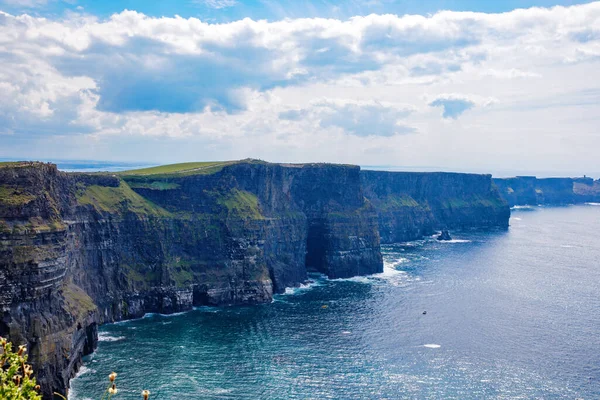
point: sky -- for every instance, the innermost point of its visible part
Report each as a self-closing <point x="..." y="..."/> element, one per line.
<point x="464" y="85"/>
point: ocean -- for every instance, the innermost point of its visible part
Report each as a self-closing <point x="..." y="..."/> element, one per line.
<point x="500" y="315"/>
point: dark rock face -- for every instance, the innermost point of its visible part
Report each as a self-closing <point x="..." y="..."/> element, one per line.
<point x="444" y="236"/>
<point x="78" y="250"/>
<point x="529" y="190"/>
<point x="412" y="205"/>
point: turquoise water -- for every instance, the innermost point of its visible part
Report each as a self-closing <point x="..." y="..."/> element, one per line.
<point x="510" y="315"/>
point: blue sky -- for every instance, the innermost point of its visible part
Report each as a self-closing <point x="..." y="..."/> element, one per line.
<point x="231" y="10"/>
<point x="463" y="85"/>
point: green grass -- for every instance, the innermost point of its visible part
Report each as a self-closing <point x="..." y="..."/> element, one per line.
<point x="153" y="185"/>
<point x="241" y="203"/>
<point x="394" y="201"/>
<point x="182" y="277"/>
<point x="78" y="302"/>
<point x="473" y="201"/>
<point x="12" y="197"/>
<point x="118" y="199"/>
<point x="190" y="168"/>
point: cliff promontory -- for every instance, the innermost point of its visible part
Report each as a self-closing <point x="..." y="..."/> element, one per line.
<point x="411" y="205"/>
<point x="529" y="190"/>
<point x="78" y="250"/>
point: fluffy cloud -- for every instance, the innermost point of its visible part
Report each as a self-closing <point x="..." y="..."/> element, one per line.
<point x="356" y="118"/>
<point x="183" y="65"/>
<point x="282" y="81"/>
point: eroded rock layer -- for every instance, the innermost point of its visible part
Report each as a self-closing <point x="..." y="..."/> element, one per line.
<point x="529" y="190"/>
<point x="411" y="205"/>
<point x="79" y="250"/>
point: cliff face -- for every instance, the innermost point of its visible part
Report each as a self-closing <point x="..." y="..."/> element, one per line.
<point x="78" y="250"/>
<point x="411" y="205"/>
<point x="529" y="190"/>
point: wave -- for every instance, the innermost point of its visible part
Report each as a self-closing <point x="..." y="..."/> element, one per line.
<point x="72" y="393"/>
<point x="105" y="337"/>
<point x="150" y="315"/>
<point x="302" y="288"/>
<point x="516" y="218"/>
<point x="455" y="241"/>
<point x="592" y="204"/>
<point x="432" y="346"/>
<point x="522" y="207"/>
<point x="208" y="309"/>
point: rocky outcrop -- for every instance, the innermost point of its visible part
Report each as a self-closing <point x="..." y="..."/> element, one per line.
<point x="79" y="250"/>
<point x="529" y="190"/>
<point x="412" y="205"/>
<point x="444" y="236"/>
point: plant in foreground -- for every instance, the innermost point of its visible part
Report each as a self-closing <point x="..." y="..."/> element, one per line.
<point x="16" y="380"/>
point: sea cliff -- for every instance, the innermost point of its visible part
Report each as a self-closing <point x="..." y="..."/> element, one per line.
<point x="411" y="205"/>
<point x="79" y="250"/>
<point x="529" y="190"/>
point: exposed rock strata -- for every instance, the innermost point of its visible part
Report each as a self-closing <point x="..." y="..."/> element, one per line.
<point x="529" y="190"/>
<point x="79" y="250"/>
<point x="412" y="205"/>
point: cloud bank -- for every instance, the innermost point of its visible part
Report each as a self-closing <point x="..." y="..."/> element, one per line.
<point x="299" y="84"/>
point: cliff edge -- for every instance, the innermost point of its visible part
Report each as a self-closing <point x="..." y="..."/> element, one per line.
<point x="79" y="250"/>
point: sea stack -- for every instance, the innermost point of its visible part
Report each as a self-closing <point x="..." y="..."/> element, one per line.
<point x="445" y="235"/>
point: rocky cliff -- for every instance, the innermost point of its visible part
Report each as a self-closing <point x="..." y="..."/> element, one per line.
<point x="79" y="250"/>
<point x="529" y="190"/>
<point x="411" y="205"/>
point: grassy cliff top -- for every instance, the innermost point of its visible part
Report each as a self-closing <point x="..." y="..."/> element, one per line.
<point x="179" y="169"/>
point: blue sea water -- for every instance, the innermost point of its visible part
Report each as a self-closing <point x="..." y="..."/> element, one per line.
<point x="510" y="315"/>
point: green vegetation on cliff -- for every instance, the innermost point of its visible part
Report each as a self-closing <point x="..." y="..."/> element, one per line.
<point x="241" y="203"/>
<point x="472" y="201"/>
<point x="394" y="201"/>
<point x="153" y="185"/>
<point x="78" y="303"/>
<point x="182" y="169"/>
<point x="12" y="196"/>
<point x="117" y="200"/>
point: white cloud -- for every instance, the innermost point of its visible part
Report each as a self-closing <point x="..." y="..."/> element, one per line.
<point x="454" y="104"/>
<point x="358" y="118"/>
<point x="281" y="82"/>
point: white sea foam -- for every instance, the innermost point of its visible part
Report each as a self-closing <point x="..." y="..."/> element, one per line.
<point x="83" y="370"/>
<point x="358" y="279"/>
<point x="455" y="241"/>
<point x="432" y="346"/>
<point x="516" y="218"/>
<point x="522" y="208"/>
<point x="593" y="204"/>
<point x="105" y="337"/>
<point x="302" y="288"/>
<point x="150" y="315"/>
<point x="566" y="246"/>
<point x="208" y="309"/>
